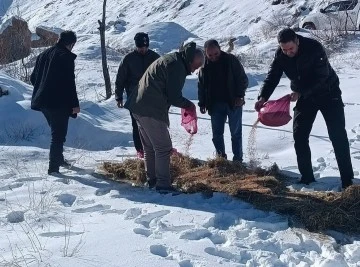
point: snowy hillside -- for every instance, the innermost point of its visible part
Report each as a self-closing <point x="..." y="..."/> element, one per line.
<point x="80" y="220"/>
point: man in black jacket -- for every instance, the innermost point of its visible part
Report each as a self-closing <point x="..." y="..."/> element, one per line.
<point x="55" y="94"/>
<point x="315" y="87"/>
<point x="221" y="88"/>
<point x="131" y="70"/>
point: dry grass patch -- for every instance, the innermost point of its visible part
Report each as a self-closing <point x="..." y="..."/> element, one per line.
<point x="265" y="189"/>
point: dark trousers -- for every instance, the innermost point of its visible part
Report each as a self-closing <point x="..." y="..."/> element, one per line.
<point x="136" y="135"/>
<point x="219" y="113"/>
<point x="58" y="120"/>
<point x="332" y="109"/>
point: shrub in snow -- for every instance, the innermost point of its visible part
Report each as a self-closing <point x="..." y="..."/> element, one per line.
<point x="15" y="217"/>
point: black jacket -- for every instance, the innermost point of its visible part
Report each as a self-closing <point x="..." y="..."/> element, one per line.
<point x="131" y="69"/>
<point x="309" y="71"/>
<point x="237" y="82"/>
<point x="53" y="79"/>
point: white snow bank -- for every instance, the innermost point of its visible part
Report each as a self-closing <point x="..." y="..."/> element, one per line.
<point x="164" y="36"/>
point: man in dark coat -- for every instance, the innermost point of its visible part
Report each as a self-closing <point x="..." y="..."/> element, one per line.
<point x="159" y="88"/>
<point x="55" y="94"/>
<point x="221" y="88"/>
<point x="315" y="87"/>
<point x="131" y="70"/>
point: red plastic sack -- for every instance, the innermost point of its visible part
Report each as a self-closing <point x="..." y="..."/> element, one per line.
<point x="275" y="113"/>
<point x="189" y="119"/>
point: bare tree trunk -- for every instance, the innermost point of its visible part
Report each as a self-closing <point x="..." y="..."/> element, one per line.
<point x="103" y="53"/>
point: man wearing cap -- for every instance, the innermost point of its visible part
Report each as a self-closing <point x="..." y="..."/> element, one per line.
<point x="131" y="69"/>
<point x="159" y="88"/>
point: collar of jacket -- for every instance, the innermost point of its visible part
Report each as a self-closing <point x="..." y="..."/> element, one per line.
<point x="141" y="55"/>
<point x="223" y="56"/>
<point x="63" y="47"/>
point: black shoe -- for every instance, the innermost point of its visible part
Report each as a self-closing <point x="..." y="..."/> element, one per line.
<point x="306" y="181"/>
<point x="166" y="189"/>
<point x="53" y="172"/>
<point x="150" y="184"/>
<point x="346" y="184"/>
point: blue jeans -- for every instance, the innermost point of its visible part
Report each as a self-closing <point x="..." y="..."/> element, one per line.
<point x="219" y="113"/>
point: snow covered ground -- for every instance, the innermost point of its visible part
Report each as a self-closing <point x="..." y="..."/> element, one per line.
<point x="80" y="220"/>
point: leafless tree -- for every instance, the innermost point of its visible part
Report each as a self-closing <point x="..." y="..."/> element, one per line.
<point x="103" y="53"/>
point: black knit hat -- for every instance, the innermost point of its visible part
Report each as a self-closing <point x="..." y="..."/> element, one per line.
<point x="141" y="39"/>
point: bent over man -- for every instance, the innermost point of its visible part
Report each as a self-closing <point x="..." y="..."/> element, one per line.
<point x="159" y="88"/>
<point x="315" y="87"/>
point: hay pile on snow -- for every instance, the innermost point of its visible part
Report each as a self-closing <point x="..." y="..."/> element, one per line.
<point x="265" y="189"/>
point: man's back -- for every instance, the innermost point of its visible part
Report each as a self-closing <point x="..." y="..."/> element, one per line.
<point x="53" y="79"/>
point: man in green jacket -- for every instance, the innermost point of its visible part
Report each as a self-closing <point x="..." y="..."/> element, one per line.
<point x="222" y="85"/>
<point x="159" y="88"/>
<point x="130" y="71"/>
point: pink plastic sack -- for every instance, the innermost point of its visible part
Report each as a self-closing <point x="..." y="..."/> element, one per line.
<point x="189" y="120"/>
<point x="275" y="113"/>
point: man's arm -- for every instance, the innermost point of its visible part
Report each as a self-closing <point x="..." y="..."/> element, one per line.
<point x="201" y="89"/>
<point x="74" y="96"/>
<point x="68" y="74"/>
<point x="121" y="79"/>
<point x="174" y="86"/>
<point x="240" y="77"/>
<point x="272" y="79"/>
<point x="34" y="74"/>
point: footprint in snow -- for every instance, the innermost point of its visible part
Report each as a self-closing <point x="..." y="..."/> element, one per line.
<point x="195" y="234"/>
<point x="159" y="250"/>
<point x="60" y="234"/>
<point x="170" y="254"/>
<point x="185" y="263"/>
<point x="222" y="221"/>
<point x="66" y="199"/>
<point x="228" y="256"/>
<point x="113" y="211"/>
<point x="150" y="218"/>
<point x="102" y="191"/>
<point x="11" y="186"/>
<point x="29" y="179"/>
<point x="132" y="213"/>
<point x="6" y="176"/>
<point x="96" y="208"/>
<point x="142" y="231"/>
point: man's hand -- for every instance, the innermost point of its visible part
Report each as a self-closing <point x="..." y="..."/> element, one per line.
<point x="294" y="96"/>
<point x="239" y="101"/>
<point x="259" y="104"/>
<point x="120" y="104"/>
<point x="203" y="110"/>
<point x="76" y="110"/>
